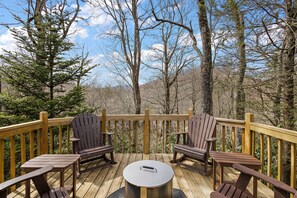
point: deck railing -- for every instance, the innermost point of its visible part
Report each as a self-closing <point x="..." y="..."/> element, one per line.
<point x="143" y="133"/>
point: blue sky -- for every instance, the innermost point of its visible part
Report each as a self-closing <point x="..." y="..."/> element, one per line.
<point x="89" y="35"/>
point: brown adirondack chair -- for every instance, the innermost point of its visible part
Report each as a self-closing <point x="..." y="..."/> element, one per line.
<point x="39" y="181"/>
<point x="87" y="141"/>
<point x="198" y="142"/>
<point x="281" y="190"/>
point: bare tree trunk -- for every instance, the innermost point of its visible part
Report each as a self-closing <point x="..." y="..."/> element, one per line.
<point x="279" y="81"/>
<point x="289" y="81"/>
<point x="206" y="62"/>
<point x="238" y="19"/>
<point x="137" y="59"/>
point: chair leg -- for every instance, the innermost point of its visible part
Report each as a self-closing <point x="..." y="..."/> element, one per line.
<point x="174" y="158"/>
<point x="112" y="158"/>
<point x="205" y="166"/>
<point x="78" y="167"/>
<point x="105" y="158"/>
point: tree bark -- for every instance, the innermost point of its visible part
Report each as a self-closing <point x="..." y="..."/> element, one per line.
<point x="137" y="59"/>
<point x="238" y="18"/>
<point x="289" y="81"/>
<point x="206" y="62"/>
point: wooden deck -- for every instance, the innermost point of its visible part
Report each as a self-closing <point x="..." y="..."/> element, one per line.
<point x="102" y="182"/>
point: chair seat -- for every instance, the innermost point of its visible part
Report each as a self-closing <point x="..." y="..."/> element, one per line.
<point x="192" y="152"/>
<point x="56" y="193"/>
<point x="96" y="151"/>
<point x="229" y="190"/>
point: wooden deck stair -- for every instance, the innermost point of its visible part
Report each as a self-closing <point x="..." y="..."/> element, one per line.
<point x="102" y="182"/>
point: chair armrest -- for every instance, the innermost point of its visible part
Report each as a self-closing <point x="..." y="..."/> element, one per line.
<point x="179" y="133"/>
<point x="25" y="177"/>
<point x="211" y="139"/>
<point x="108" y="133"/>
<point x="274" y="182"/>
<point x="73" y="139"/>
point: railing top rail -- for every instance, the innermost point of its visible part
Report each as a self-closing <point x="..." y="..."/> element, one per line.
<point x="59" y="121"/>
<point x="11" y="130"/>
<point x="231" y="122"/>
<point x="141" y="117"/>
<point x="280" y="133"/>
<point x="125" y="117"/>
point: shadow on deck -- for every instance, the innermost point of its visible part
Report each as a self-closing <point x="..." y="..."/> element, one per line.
<point x="104" y="181"/>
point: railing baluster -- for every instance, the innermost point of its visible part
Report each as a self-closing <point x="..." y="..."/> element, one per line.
<point x="214" y="145"/>
<point x="280" y="160"/>
<point x="123" y="136"/>
<point x="243" y="140"/>
<point x="115" y="136"/>
<point x="269" y="155"/>
<point x="12" y="159"/>
<point x="39" y="142"/>
<point x="1" y="160"/>
<point x="60" y="139"/>
<point x="108" y="125"/>
<point x="253" y="142"/>
<point x="23" y="148"/>
<point x="146" y="132"/>
<point x="233" y="138"/>
<point x="32" y="145"/>
<point x="170" y="144"/>
<point x="224" y="138"/>
<point x="129" y="137"/>
<point x="293" y="165"/>
<point x="262" y="152"/>
<point x="163" y="136"/>
<point x="137" y="137"/>
<point x="68" y="138"/>
<point x="157" y="134"/>
<point x="51" y="140"/>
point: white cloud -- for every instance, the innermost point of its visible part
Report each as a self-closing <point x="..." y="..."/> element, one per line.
<point x="94" y="14"/>
<point x="77" y="31"/>
<point x="7" y="41"/>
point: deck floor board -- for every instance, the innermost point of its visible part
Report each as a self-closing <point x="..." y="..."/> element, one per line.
<point x="102" y="182"/>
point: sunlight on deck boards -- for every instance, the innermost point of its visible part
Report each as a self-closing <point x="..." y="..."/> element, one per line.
<point x="102" y="182"/>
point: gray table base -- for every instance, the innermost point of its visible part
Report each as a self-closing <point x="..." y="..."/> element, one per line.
<point x="120" y="193"/>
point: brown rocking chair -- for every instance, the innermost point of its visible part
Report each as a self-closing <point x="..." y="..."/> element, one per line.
<point x="87" y="141"/>
<point x="40" y="183"/>
<point x="281" y="190"/>
<point x="199" y="141"/>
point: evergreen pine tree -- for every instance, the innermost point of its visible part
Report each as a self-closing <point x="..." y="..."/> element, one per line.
<point x="42" y="71"/>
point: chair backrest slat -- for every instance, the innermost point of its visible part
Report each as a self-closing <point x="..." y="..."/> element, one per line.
<point x="87" y="128"/>
<point x="202" y="127"/>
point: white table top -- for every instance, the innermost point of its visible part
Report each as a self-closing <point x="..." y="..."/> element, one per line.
<point x="148" y="173"/>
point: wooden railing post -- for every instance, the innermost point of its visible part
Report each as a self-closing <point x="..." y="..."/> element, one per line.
<point x="103" y="124"/>
<point x="190" y="113"/>
<point x="248" y="133"/>
<point x="146" y="132"/>
<point x="43" y="116"/>
<point x="1" y="160"/>
<point x="293" y="166"/>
